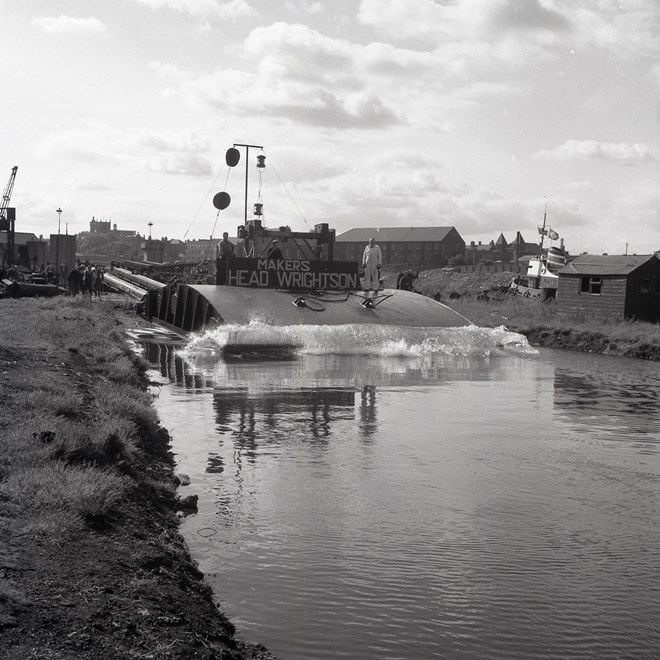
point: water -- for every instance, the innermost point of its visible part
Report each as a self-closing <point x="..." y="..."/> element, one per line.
<point x="399" y="494"/>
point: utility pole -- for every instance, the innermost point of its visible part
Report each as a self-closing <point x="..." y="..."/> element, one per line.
<point x="57" y="245"/>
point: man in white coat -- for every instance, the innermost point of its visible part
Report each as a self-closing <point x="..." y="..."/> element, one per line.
<point x="372" y="260"/>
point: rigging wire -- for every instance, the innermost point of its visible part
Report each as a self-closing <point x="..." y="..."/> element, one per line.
<point x="205" y="198"/>
<point x="217" y="215"/>
<point x="288" y="193"/>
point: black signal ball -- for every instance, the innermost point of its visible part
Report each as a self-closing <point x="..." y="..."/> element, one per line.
<point x="221" y="200"/>
<point x="232" y="157"/>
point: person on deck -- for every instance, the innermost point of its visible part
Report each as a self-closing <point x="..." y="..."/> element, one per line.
<point x="275" y="252"/>
<point x="225" y="247"/>
<point x="372" y="261"/>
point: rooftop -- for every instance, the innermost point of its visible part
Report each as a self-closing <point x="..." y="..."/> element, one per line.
<point x="394" y="234"/>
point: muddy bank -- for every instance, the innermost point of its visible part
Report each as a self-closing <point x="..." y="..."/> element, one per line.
<point x="92" y="564"/>
<point x="587" y="341"/>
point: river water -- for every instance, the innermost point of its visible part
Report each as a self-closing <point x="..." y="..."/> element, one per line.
<point x="390" y="493"/>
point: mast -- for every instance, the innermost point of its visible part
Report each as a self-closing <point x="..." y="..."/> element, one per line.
<point x="247" y="160"/>
<point x="543" y="232"/>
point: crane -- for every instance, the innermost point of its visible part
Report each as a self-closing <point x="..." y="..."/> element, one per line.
<point x="7" y="222"/>
<point x="7" y="194"/>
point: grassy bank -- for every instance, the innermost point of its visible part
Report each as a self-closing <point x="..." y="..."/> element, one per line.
<point x="539" y="322"/>
<point x="92" y="565"/>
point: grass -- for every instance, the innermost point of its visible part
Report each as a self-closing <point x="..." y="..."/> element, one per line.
<point x="76" y="416"/>
<point x="541" y="322"/>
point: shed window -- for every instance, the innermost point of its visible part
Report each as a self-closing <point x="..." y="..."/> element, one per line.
<point x="591" y="285"/>
<point x="650" y="286"/>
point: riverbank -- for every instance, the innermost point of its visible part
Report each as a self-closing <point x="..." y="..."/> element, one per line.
<point x="483" y="298"/>
<point x="92" y="564"/>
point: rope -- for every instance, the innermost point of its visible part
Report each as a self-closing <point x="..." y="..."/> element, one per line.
<point x="293" y="201"/>
<point x="217" y="215"/>
<point x="208" y="192"/>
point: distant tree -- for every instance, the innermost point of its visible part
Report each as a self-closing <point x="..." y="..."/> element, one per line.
<point x="107" y="244"/>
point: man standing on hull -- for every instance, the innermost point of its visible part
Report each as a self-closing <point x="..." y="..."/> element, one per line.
<point x="372" y="260"/>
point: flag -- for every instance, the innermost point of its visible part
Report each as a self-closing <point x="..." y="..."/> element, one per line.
<point x="553" y="235"/>
<point x="543" y="232"/>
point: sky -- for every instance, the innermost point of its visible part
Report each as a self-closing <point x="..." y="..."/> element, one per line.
<point x="371" y="113"/>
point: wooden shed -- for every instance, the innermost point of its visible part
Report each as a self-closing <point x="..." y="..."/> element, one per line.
<point x="622" y="286"/>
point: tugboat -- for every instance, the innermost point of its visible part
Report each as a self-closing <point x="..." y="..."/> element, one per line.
<point x="282" y="277"/>
<point x="541" y="279"/>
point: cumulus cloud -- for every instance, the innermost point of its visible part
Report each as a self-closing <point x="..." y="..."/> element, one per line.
<point x="297" y="52"/>
<point x="180" y="164"/>
<point x="231" y="9"/>
<point x="70" y="25"/>
<point x="300" y="76"/>
<point x="619" y="152"/>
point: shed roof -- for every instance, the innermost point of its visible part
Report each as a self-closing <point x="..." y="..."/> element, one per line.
<point x="606" y="264"/>
<point x="394" y="234"/>
<point x="22" y="237"/>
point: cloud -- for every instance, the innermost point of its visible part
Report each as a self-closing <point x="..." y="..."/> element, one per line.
<point x="185" y="141"/>
<point x="300" y="76"/>
<point x="229" y="9"/>
<point x="246" y="95"/>
<point x="463" y="20"/>
<point x="619" y="152"/>
<point x="180" y="164"/>
<point x="527" y="15"/>
<point x="92" y="143"/>
<point x="93" y="185"/>
<point x="170" y="73"/>
<point x="626" y="29"/>
<point x="474" y="33"/>
<point x="70" y="25"/>
<point x="305" y="6"/>
<point x="297" y="52"/>
<point x="96" y="144"/>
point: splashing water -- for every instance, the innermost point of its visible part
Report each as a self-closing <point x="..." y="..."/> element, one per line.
<point x="354" y="339"/>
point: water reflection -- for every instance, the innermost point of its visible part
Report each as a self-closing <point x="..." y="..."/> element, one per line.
<point x="436" y="507"/>
<point x="621" y="397"/>
<point x="275" y="416"/>
<point x="368" y="424"/>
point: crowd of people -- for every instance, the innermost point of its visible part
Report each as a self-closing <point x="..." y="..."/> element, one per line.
<point x="85" y="278"/>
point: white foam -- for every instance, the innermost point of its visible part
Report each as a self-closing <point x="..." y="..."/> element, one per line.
<point x="358" y="339"/>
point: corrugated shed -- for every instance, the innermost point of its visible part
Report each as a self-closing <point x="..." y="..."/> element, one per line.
<point x="606" y="264"/>
<point x="394" y="234"/>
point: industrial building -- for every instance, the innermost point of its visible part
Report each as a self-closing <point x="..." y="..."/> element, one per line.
<point x="403" y="248"/>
